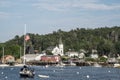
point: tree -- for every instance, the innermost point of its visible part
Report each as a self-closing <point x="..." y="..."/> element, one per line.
<point x="117" y="47"/>
<point x="106" y="40"/>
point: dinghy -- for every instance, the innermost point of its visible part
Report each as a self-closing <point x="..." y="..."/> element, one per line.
<point x="43" y="76"/>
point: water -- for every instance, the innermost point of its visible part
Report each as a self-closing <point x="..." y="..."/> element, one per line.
<point x="63" y="73"/>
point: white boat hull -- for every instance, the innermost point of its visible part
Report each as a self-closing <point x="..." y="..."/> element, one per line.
<point x="43" y="76"/>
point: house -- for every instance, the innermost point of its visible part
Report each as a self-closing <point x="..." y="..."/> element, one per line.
<point x="112" y="60"/>
<point x="57" y="50"/>
<point x="94" y="51"/>
<point x="38" y="58"/>
<point x="71" y="54"/>
<point x="81" y="55"/>
<point x="50" y="58"/>
<point x="105" y="56"/>
<point x="29" y="57"/>
<point x="94" y="56"/>
<point x="8" y="59"/>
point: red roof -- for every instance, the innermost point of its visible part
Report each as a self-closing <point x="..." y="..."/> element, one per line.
<point x="50" y="58"/>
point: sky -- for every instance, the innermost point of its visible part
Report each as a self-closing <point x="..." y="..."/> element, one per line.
<point x="46" y="16"/>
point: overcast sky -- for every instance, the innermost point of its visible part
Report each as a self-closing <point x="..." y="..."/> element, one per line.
<point x="46" y="16"/>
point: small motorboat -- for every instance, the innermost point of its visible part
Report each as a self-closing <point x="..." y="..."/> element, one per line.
<point x="27" y="72"/>
<point x="43" y="76"/>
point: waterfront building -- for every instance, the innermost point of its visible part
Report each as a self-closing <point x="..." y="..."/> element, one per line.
<point x="94" y="56"/>
<point x="8" y="59"/>
<point x="112" y="60"/>
<point x="57" y="50"/>
<point x="38" y="58"/>
<point x="29" y="57"/>
<point x="71" y="54"/>
<point x="81" y="55"/>
<point x="50" y="58"/>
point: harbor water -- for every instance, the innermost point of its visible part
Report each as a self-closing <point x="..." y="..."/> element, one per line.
<point x="63" y="73"/>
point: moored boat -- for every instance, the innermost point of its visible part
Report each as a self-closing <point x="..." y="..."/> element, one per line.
<point x="27" y="72"/>
<point x="43" y="76"/>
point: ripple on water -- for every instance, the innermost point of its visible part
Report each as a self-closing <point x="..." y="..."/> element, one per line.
<point x="67" y="73"/>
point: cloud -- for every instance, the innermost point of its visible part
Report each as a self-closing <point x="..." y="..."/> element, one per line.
<point x="5" y="3"/>
<point x="4" y="15"/>
<point x="58" y="5"/>
<point x="51" y="6"/>
<point x="95" y="6"/>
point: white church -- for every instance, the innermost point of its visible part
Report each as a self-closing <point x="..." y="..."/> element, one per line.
<point x="59" y="50"/>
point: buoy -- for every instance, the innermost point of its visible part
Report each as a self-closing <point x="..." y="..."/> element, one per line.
<point x="6" y="77"/>
<point x="77" y="72"/>
<point x="109" y="71"/>
<point x="2" y="72"/>
<point x="11" y="68"/>
<point x="88" y="76"/>
<point x="53" y="70"/>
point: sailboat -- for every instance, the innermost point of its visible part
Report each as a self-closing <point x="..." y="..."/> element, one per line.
<point x="26" y="71"/>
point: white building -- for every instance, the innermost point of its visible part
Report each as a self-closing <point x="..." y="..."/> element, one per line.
<point x="94" y="56"/>
<point x="56" y="51"/>
<point x="59" y="50"/>
<point x="72" y="54"/>
<point x="37" y="58"/>
<point x="81" y="55"/>
<point x="29" y="57"/>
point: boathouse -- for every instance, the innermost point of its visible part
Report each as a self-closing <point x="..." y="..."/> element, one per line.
<point x="50" y="58"/>
<point x="8" y="59"/>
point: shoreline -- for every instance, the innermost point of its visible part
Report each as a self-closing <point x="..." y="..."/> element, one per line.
<point x="94" y="64"/>
<point x="16" y="65"/>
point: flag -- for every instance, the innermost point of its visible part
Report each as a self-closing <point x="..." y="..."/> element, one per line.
<point x="27" y="37"/>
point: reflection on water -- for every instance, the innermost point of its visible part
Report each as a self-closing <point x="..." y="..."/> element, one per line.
<point x="63" y="73"/>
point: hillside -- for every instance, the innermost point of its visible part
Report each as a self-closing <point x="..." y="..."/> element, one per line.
<point x="105" y="40"/>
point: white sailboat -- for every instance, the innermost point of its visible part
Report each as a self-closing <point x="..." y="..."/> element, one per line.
<point x="25" y="70"/>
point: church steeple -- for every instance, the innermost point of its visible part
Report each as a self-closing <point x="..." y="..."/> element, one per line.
<point x="60" y="41"/>
<point x="61" y="47"/>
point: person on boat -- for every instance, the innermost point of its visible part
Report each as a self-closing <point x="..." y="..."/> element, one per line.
<point x="25" y="68"/>
<point x="27" y="71"/>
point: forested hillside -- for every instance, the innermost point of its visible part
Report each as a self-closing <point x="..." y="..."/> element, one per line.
<point x="105" y="40"/>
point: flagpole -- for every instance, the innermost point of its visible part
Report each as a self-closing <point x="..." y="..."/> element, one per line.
<point x="24" y="43"/>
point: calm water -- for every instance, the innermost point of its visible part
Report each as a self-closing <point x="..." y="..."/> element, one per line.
<point x="63" y="73"/>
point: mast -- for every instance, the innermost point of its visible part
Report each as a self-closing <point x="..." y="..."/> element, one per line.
<point x="24" y="43"/>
